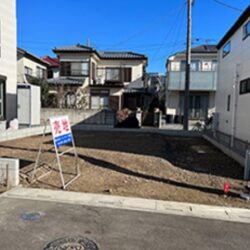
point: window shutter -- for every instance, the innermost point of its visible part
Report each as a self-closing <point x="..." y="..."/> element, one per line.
<point x="127" y="74"/>
<point x="93" y="71"/>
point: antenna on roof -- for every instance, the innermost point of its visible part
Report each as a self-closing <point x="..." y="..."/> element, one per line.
<point x="88" y="42"/>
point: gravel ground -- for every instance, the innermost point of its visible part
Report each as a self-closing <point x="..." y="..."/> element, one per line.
<point x="138" y="164"/>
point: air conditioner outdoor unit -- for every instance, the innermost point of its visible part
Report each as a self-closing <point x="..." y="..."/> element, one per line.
<point x="215" y="124"/>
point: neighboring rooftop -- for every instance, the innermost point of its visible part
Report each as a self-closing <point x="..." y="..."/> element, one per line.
<point x="66" y="81"/>
<point x="74" y="48"/>
<point x="102" y="54"/>
<point x="31" y="57"/>
<point x="53" y="62"/>
<point x="245" y="15"/>
<point x="202" y="49"/>
<point x="120" y="55"/>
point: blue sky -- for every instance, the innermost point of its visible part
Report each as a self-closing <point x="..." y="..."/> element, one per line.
<point x="156" y="28"/>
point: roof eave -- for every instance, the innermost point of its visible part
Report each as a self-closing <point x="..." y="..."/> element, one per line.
<point x="235" y="27"/>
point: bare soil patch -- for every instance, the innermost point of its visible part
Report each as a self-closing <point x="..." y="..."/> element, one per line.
<point x="143" y="165"/>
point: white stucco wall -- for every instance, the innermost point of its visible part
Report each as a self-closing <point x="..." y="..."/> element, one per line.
<point x="137" y="68"/>
<point x="237" y="62"/>
<point x="8" y="67"/>
<point x="23" y="62"/>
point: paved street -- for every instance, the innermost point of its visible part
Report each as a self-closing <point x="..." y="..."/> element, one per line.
<point x="113" y="229"/>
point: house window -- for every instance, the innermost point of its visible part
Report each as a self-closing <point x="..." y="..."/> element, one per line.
<point x="194" y="66"/>
<point x="226" y="49"/>
<point x="28" y="71"/>
<point x="40" y="73"/>
<point x="50" y="73"/>
<point x="228" y="102"/>
<point x="79" y="69"/>
<point x="206" y="66"/>
<point x="245" y="86"/>
<point x="65" y="69"/>
<point x="246" y="30"/>
<point x="113" y="75"/>
<point x="2" y="99"/>
<point x="99" y="99"/>
<point x="214" y="65"/>
<point x="175" y="66"/>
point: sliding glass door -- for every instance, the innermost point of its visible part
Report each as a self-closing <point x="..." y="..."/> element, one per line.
<point x="198" y="105"/>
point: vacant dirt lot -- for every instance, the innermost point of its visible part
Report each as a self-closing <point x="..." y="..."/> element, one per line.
<point x="138" y="164"/>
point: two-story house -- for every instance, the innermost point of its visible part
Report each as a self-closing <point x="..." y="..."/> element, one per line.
<point x="233" y="92"/>
<point x="203" y="84"/>
<point x="99" y="79"/>
<point x="8" y="67"/>
<point x="30" y="66"/>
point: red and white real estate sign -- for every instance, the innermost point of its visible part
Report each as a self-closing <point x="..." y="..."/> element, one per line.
<point x="61" y="130"/>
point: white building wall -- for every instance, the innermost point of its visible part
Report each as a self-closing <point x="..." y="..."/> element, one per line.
<point x="236" y="121"/>
<point x="26" y="62"/>
<point x="173" y="96"/>
<point x="8" y="67"/>
<point x="137" y="68"/>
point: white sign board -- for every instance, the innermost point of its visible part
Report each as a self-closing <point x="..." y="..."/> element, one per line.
<point x="61" y="130"/>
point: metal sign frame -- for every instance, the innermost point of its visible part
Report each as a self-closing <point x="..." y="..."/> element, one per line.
<point x="57" y="159"/>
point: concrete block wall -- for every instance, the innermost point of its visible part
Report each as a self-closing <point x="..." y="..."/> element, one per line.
<point x="21" y="133"/>
<point x="96" y="117"/>
<point x="9" y="168"/>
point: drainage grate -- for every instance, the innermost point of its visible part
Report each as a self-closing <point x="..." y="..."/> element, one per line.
<point x="31" y="216"/>
<point x="72" y="243"/>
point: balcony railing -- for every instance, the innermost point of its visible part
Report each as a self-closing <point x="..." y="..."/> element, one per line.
<point x="108" y="83"/>
<point x="199" y="80"/>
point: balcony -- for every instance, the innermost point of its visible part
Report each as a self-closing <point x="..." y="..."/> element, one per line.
<point x="199" y="80"/>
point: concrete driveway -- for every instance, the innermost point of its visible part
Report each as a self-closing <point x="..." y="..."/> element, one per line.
<point x="113" y="229"/>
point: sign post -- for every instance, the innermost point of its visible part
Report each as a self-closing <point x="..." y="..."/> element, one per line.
<point x="62" y="135"/>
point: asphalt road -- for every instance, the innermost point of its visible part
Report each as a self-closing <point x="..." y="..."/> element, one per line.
<point x="113" y="229"/>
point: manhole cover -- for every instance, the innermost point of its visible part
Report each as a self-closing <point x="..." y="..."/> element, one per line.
<point x="31" y="216"/>
<point x="72" y="243"/>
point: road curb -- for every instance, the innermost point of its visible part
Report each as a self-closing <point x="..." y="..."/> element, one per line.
<point x="135" y="204"/>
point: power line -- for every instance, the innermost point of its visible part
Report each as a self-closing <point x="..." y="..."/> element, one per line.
<point x="169" y="32"/>
<point x="228" y="6"/>
<point x="145" y="30"/>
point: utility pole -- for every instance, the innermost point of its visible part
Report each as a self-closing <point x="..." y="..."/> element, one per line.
<point x="188" y="64"/>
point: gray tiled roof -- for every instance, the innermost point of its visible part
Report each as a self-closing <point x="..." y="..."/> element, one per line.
<point x="76" y="48"/>
<point x="66" y="81"/>
<point x="206" y="49"/>
<point x="120" y="55"/>
<point x="101" y="54"/>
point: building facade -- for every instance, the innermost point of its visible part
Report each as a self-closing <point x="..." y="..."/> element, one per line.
<point x="53" y="70"/>
<point x="91" y="79"/>
<point x="203" y="84"/>
<point x="8" y="75"/>
<point x="29" y="67"/>
<point x="233" y="93"/>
